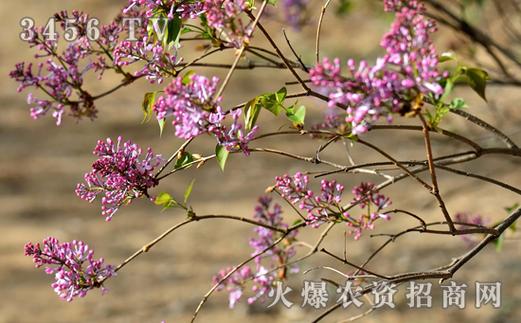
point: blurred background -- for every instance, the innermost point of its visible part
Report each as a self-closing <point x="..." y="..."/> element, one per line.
<point x="40" y="165"/>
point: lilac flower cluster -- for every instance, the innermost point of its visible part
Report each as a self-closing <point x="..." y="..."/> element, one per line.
<point x="157" y="61"/>
<point x="325" y="206"/>
<point x="195" y="110"/>
<point x="73" y="265"/>
<point x="184" y="9"/>
<point x="407" y="72"/>
<point x="224" y="17"/>
<point x="319" y="207"/>
<point x="367" y="196"/>
<point x="266" y="265"/>
<point x="60" y="74"/>
<point x="120" y="174"/>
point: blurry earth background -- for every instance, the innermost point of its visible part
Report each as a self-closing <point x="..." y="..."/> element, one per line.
<point x="40" y="165"/>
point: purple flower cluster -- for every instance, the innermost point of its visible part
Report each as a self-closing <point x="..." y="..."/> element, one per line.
<point x="157" y="61"/>
<point x="191" y="102"/>
<point x="294" y="12"/>
<point x="325" y="206"/>
<point x="120" y="174"/>
<point x="367" y="196"/>
<point x="319" y="207"/>
<point x="224" y="17"/>
<point x="184" y="9"/>
<point x="60" y="74"/>
<point x="73" y="265"/>
<point x="266" y="265"/>
<point x="408" y="71"/>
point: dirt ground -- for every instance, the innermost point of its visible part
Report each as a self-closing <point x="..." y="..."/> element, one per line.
<point x="40" y="165"/>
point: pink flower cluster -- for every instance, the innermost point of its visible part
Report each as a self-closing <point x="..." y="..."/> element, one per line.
<point x="60" y="75"/>
<point x="266" y="265"/>
<point x="367" y="196"/>
<point x="73" y="265"/>
<point x="195" y="110"/>
<point x="157" y="61"/>
<point x="223" y="17"/>
<point x="185" y="9"/>
<point x="325" y="206"/>
<point x="408" y="70"/>
<point x="120" y="173"/>
<point x="319" y="207"/>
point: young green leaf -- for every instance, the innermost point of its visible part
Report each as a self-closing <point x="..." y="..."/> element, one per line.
<point x="251" y="113"/>
<point x="222" y="155"/>
<point x="166" y="201"/>
<point x="161" y="123"/>
<point x="477" y="79"/>
<point x="281" y="94"/>
<point x="188" y="191"/>
<point x="296" y="115"/>
<point x="183" y="160"/>
<point x="148" y="103"/>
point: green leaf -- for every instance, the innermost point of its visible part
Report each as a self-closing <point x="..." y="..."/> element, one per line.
<point x="344" y="7"/>
<point x="281" y="95"/>
<point x="447" y="56"/>
<point x="174" y="30"/>
<point x="148" y="103"/>
<point x="166" y="201"/>
<point x="222" y="156"/>
<point x="510" y="209"/>
<point x="499" y="242"/>
<point x="458" y="104"/>
<point x="477" y="79"/>
<point x="251" y="113"/>
<point x="297" y="222"/>
<point x="183" y="160"/>
<point x="296" y="115"/>
<point x="163" y="198"/>
<point x="442" y="109"/>
<point x="161" y="123"/>
<point x="186" y="77"/>
<point x="188" y="191"/>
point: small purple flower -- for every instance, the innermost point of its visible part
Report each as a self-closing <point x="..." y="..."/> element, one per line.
<point x="120" y="173"/>
<point x="73" y="265"/>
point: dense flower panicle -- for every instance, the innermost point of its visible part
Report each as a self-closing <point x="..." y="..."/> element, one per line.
<point x="120" y="173"/>
<point x="407" y="71"/>
<point x="191" y="103"/>
<point x="265" y="273"/>
<point x="195" y="110"/>
<point x="224" y="17"/>
<point x="73" y="265"/>
<point x="156" y="60"/>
